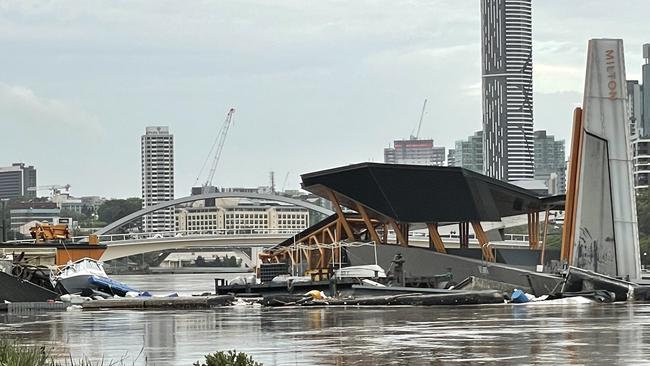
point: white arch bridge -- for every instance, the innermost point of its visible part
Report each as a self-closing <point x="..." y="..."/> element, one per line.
<point x="199" y="197"/>
<point x="257" y="239"/>
<point x="123" y="245"/>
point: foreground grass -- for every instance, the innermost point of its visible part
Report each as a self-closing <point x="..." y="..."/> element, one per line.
<point x="230" y="358"/>
<point x="14" y="354"/>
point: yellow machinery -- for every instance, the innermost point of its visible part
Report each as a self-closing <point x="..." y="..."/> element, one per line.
<point x="46" y="232"/>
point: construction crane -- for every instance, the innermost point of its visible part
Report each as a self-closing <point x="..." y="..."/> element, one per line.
<point x="54" y="188"/>
<point x="417" y="134"/>
<point x="217" y="146"/>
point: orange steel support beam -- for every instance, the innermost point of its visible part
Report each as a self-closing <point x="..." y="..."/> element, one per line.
<point x="369" y="226"/>
<point x="321" y="260"/>
<point x="537" y="229"/>
<point x="307" y="254"/>
<point x="329" y="233"/>
<point x="435" y="240"/>
<point x="533" y="229"/>
<point x="483" y="241"/>
<point x="337" y="232"/>
<point x="341" y="216"/>
<point x="541" y="260"/>
<point x="568" y="230"/>
<point x="398" y="233"/>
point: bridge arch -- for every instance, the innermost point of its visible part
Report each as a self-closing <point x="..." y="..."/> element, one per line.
<point x="270" y="197"/>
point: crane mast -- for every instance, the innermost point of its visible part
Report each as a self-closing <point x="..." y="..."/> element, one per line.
<point x="221" y="139"/>
<point x="424" y="106"/>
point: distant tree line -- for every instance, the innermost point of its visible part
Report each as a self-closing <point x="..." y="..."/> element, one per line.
<point x="224" y="261"/>
<point x="643" y="218"/>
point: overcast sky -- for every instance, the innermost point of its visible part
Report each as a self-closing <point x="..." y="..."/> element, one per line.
<point x="316" y="84"/>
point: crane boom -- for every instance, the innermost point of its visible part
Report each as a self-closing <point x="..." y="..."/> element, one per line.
<point x="424" y="106"/>
<point x="221" y="139"/>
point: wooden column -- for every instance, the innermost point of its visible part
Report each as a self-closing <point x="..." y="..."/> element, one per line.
<point x="341" y="215"/>
<point x="533" y="229"/>
<point x="405" y="233"/>
<point x="541" y="259"/>
<point x="483" y="241"/>
<point x="329" y="234"/>
<point x="435" y="241"/>
<point x="369" y="226"/>
<point x="398" y="233"/>
<point x="568" y="230"/>
<point x="337" y="231"/>
<point x="307" y="254"/>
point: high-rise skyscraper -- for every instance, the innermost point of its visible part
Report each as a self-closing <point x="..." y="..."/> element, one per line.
<point x="414" y="151"/>
<point x="638" y="111"/>
<point x="451" y="157"/>
<point x="645" y="74"/>
<point x="507" y="83"/>
<point x="16" y="179"/>
<point x="469" y="153"/>
<point x="158" y="177"/>
<point x="550" y="162"/>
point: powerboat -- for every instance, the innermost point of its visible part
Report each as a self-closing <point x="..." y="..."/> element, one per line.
<point x="87" y="274"/>
<point x="362" y="271"/>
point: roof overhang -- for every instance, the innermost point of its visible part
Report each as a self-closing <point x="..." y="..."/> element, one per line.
<point x="422" y="194"/>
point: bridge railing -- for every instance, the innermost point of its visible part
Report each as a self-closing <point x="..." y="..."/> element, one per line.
<point x="198" y="233"/>
<point x="177" y="234"/>
<point x="517" y="238"/>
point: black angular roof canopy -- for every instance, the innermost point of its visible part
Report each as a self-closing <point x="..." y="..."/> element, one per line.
<point x="418" y="193"/>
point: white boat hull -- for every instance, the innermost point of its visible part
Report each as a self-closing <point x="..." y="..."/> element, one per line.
<point x="76" y="284"/>
<point x="365" y="271"/>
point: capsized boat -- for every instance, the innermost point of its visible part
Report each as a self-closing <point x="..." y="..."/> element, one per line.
<point x="87" y="274"/>
<point x="362" y="271"/>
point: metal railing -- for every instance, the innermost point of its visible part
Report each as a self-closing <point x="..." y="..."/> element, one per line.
<point x="176" y="234"/>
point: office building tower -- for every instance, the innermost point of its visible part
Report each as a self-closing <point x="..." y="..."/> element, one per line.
<point x="550" y="162"/>
<point x="245" y="216"/>
<point x="414" y="151"/>
<point x="157" y="147"/>
<point x="469" y="153"/>
<point x="507" y="88"/>
<point x="451" y="157"/>
<point x="635" y="107"/>
<point x="644" y="126"/>
<point x="638" y="111"/>
<point x="15" y="181"/>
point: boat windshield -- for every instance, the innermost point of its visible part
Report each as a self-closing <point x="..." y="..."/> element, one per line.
<point x="83" y="266"/>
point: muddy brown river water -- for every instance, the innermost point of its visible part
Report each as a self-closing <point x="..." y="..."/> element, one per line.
<point x="587" y="334"/>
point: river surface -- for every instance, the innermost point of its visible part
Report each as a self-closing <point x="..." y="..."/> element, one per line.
<point x="587" y="334"/>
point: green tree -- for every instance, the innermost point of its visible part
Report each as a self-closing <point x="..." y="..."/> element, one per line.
<point x="231" y="358"/>
<point x="643" y="219"/>
<point x="76" y="216"/>
<point x="113" y="210"/>
<point x="643" y="211"/>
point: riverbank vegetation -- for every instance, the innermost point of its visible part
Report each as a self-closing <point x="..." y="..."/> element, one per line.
<point x="230" y="358"/>
<point x="643" y="219"/>
<point x="13" y="353"/>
